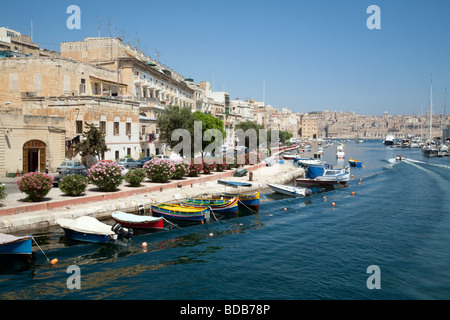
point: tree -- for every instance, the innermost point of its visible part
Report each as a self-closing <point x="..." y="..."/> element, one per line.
<point x="93" y="143"/>
<point x="209" y="122"/>
<point x="174" y="117"/>
<point x="254" y="127"/>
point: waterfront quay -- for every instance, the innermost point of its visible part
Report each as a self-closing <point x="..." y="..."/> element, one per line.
<point x="17" y="215"/>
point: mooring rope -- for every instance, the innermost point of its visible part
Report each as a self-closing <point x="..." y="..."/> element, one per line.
<point x="40" y="249"/>
<point x="171" y="223"/>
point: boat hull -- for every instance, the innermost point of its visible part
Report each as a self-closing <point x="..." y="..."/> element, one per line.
<point x="317" y="183"/>
<point x="250" y="200"/>
<point x="181" y="213"/>
<point x="150" y="223"/>
<point x="354" y="163"/>
<point x="293" y="192"/>
<point x="216" y="205"/>
<point x="20" y="247"/>
<point x="88" y="237"/>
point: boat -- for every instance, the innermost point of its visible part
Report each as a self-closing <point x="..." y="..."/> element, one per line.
<point x="15" y="246"/>
<point x="248" y="200"/>
<point x="354" y="163"/>
<point x="308" y="161"/>
<point x="290" y="156"/>
<point x="399" y="158"/>
<point x="389" y="140"/>
<point x="174" y="211"/>
<point x="89" y="229"/>
<point x="216" y="205"/>
<point x="135" y="221"/>
<point x="340" y="154"/>
<point x="290" y="190"/>
<point x="318" y="176"/>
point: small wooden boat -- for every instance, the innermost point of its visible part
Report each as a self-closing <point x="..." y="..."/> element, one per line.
<point x="290" y="190"/>
<point x="17" y="246"/>
<point x="173" y="211"/>
<point x="89" y="229"/>
<point x="216" y="205"/>
<point x="250" y="200"/>
<point x="138" y="221"/>
<point x="354" y="163"/>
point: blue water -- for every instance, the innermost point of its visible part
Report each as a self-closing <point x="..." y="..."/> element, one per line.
<point x="398" y="219"/>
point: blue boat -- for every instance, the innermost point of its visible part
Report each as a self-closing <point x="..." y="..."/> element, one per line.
<point x="89" y="229"/>
<point x="17" y="246"/>
<point x="248" y="200"/>
<point x="354" y="163"/>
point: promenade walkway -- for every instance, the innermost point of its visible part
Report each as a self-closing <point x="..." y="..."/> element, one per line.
<point x="16" y="214"/>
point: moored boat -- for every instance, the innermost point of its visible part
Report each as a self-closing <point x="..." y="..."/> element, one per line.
<point x="324" y="176"/>
<point x="138" y="221"/>
<point x="15" y="246"/>
<point x="354" y="163"/>
<point x="89" y="229"/>
<point x="308" y="161"/>
<point x="173" y="211"/>
<point x="216" y="205"/>
<point x="249" y="200"/>
<point x="290" y="190"/>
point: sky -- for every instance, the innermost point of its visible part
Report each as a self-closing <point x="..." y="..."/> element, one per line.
<point x="305" y="55"/>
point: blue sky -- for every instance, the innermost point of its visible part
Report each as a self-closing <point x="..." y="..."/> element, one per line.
<point x="309" y="55"/>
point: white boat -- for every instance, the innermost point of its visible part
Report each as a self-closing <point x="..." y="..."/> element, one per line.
<point x="390" y="140"/>
<point x="290" y="190"/>
<point x="340" y="154"/>
<point x="308" y="161"/>
<point x="399" y="158"/>
<point x="89" y="229"/>
<point x="341" y="175"/>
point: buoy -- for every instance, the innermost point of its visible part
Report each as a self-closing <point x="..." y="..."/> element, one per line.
<point x="353" y="193"/>
<point x="360" y="179"/>
<point x="285" y="209"/>
<point x="333" y="204"/>
<point x="211" y="234"/>
<point x="378" y="173"/>
<point x="144" y="244"/>
<point x="359" y="183"/>
<point x="364" y="166"/>
<point x="54" y="261"/>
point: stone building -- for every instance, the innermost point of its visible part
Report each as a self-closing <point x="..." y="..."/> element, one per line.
<point x="80" y="93"/>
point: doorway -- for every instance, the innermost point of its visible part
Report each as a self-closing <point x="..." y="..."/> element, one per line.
<point x="34" y="156"/>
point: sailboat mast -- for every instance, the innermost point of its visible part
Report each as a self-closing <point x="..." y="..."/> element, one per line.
<point x="431" y="107"/>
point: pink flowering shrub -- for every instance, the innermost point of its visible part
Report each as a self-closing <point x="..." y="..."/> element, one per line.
<point x="208" y="165"/>
<point x="181" y="169"/>
<point x="195" y="169"/>
<point x="230" y="162"/>
<point x="107" y="176"/>
<point x="159" y="170"/>
<point x="36" y="185"/>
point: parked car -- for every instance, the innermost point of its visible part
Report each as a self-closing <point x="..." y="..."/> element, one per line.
<point x="68" y="172"/>
<point x="161" y="156"/>
<point x="143" y="160"/>
<point x="124" y="170"/>
<point x="127" y="163"/>
<point x="69" y="165"/>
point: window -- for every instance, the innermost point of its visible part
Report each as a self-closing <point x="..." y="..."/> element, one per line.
<point x="79" y="126"/>
<point x="128" y="128"/>
<point x="116" y="128"/>
<point x="83" y="86"/>
<point x="103" y="127"/>
<point x="117" y="155"/>
<point x="129" y="152"/>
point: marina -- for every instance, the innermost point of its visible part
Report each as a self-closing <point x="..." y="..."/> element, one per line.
<point x="326" y="241"/>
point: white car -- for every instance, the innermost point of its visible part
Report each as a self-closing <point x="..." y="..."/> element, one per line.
<point x="124" y="170"/>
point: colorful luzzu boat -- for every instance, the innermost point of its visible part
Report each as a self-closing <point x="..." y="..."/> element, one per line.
<point x="249" y="200"/>
<point x="173" y="211"/>
<point x="354" y="163"/>
<point x="216" y="205"/>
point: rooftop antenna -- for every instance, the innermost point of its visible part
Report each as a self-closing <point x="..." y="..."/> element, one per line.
<point x="264" y="93"/>
<point x="157" y="54"/>
<point x="31" y="30"/>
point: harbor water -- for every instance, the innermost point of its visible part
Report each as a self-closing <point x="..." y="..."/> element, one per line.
<point x="394" y="216"/>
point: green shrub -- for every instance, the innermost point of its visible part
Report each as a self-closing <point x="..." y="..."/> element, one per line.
<point x="36" y="185"/>
<point x="73" y="185"/>
<point x="135" y="177"/>
<point x="159" y="170"/>
<point x="3" y="194"/>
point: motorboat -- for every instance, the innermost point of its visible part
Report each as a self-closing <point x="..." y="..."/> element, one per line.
<point x="290" y="190"/>
<point x="89" y="229"/>
<point x="308" y="161"/>
<point x="324" y="175"/>
<point x="340" y="175"/>
<point x="390" y="140"/>
<point x="399" y="158"/>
